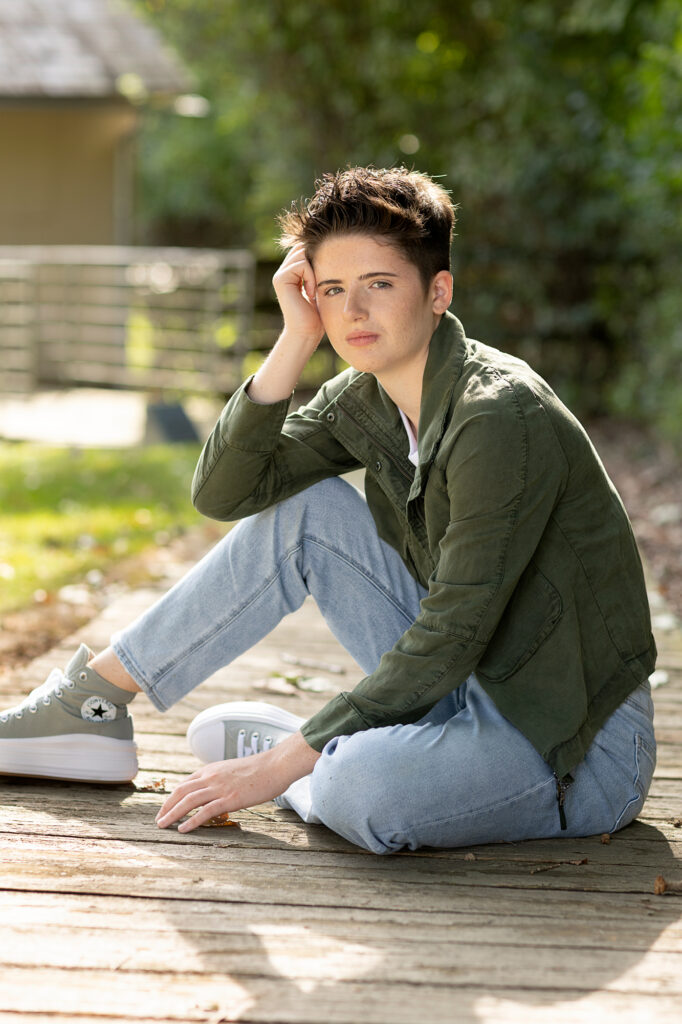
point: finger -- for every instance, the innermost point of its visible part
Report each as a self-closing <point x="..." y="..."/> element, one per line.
<point x="297" y="263"/>
<point x="294" y="272"/>
<point x="309" y="283"/>
<point x="295" y="251"/>
<point x="196" y="798"/>
<point x="295" y="256"/>
<point x="204" y="814"/>
<point x="306" y="277"/>
<point x="178" y="793"/>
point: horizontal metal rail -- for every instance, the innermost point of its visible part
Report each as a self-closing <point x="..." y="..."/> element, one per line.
<point x="161" y="319"/>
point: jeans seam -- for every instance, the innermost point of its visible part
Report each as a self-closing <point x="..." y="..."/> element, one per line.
<point x="477" y="811"/>
<point x="638" y="797"/>
<point x="362" y="571"/>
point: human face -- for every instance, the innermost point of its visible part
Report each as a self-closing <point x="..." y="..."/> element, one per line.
<point x="373" y="305"/>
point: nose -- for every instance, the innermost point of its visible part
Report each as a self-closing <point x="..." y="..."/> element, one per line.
<point x="354" y="307"/>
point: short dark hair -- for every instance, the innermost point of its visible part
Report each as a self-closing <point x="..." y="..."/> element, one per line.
<point x="408" y="208"/>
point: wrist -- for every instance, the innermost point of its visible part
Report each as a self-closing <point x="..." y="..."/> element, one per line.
<point x="279" y="374"/>
<point x="299" y="339"/>
<point x="293" y="758"/>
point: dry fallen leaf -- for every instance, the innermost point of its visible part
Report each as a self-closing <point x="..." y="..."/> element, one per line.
<point x="662" y="885"/>
<point x="155" y="786"/>
<point x="221" y="821"/>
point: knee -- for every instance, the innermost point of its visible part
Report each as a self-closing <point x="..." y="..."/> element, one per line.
<point x="323" y="511"/>
<point x="288" y="519"/>
<point x="347" y="795"/>
<point x="326" y="498"/>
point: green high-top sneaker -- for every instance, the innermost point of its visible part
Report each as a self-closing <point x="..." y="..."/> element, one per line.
<point x="75" y="726"/>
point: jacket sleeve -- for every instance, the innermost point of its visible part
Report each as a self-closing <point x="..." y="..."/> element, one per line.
<point x="504" y="474"/>
<point x="257" y="455"/>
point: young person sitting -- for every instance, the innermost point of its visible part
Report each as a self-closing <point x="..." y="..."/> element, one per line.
<point x="487" y="583"/>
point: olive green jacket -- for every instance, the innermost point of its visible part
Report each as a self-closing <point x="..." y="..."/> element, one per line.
<point x="534" y="579"/>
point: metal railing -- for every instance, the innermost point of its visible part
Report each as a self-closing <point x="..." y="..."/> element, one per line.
<point x="169" y="320"/>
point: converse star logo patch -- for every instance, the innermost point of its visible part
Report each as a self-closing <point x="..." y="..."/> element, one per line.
<point x="97" y="709"/>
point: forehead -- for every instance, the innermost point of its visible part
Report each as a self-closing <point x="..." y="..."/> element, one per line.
<point x="359" y="252"/>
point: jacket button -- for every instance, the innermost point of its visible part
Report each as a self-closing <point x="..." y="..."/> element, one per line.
<point x="330" y="417"/>
<point x="377" y="465"/>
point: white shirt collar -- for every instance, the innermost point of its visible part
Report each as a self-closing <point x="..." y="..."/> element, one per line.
<point x="413" y="455"/>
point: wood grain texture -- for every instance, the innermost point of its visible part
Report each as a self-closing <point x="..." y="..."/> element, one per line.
<point x="104" y="917"/>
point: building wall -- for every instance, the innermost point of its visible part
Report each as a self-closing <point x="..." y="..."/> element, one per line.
<point x="66" y="176"/>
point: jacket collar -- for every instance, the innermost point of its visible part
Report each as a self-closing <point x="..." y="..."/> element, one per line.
<point x="443" y="369"/>
<point x="444" y="365"/>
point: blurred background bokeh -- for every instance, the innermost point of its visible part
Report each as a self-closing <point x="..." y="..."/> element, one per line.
<point x="556" y="124"/>
<point x="148" y="145"/>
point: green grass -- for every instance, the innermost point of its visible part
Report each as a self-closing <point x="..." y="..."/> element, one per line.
<point x="66" y="512"/>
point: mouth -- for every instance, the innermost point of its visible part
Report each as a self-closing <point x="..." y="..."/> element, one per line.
<point x="359" y="338"/>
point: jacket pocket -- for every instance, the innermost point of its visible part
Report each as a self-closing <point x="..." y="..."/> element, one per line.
<point x="528" y="620"/>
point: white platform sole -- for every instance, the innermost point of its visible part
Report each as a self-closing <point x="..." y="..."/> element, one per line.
<point x="73" y="757"/>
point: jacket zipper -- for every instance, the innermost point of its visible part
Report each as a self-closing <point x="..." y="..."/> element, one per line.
<point x="562" y="785"/>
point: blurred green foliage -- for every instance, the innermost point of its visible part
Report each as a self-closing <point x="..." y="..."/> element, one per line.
<point x="557" y="125"/>
<point x="80" y="511"/>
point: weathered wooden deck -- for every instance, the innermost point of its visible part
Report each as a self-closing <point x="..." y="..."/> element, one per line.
<point x="104" y="917"/>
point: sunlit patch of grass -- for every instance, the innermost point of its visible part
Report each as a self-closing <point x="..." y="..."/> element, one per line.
<point x="66" y="512"/>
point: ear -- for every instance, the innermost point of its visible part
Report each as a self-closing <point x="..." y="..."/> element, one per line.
<point x="441" y="291"/>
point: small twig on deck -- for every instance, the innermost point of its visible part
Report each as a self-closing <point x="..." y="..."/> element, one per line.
<point x="661" y="885"/>
<point x="556" y="864"/>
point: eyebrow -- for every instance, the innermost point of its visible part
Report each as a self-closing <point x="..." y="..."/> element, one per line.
<point x="363" y="277"/>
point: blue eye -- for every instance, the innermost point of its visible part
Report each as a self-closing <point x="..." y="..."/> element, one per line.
<point x="334" y="290"/>
<point x="381" y="284"/>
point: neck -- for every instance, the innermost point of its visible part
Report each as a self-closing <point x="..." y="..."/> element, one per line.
<point x="404" y="387"/>
<point x="403" y="384"/>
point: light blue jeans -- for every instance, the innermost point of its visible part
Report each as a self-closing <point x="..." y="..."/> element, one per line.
<point x="463" y="774"/>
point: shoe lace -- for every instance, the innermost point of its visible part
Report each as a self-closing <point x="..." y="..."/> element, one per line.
<point x="54" y="686"/>
<point x="245" y="749"/>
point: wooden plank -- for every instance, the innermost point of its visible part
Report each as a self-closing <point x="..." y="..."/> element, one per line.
<point x="271" y="949"/>
<point x="509" y="1006"/>
<point x="106" y="916"/>
<point x="559" y="918"/>
<point x="240" y="996"/>
<point x="227" y="869"/>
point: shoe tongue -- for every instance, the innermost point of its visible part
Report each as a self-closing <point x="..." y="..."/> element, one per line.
<point x="79" y="661"/>
<point x="54" y="678"/>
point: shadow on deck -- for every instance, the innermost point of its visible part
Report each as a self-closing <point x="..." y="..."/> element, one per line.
<point x="107" y="918"/>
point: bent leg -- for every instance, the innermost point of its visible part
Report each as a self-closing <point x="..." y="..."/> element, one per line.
<point x="472" y="779"/>
<point x="323" y="542"/>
